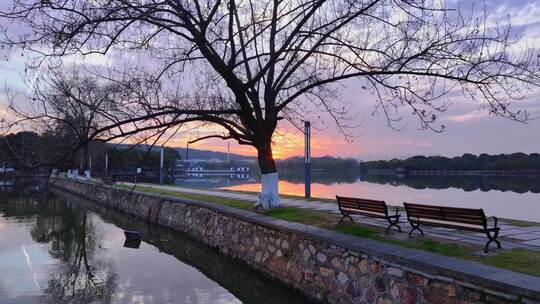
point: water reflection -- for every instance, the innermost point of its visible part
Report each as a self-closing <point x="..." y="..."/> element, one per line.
<point x="84" y="273"/>
<point x="80" y="272"/>
<point x="64" y="250"/>
<point x="247" y="285"/>
<point x="517" y="184"/>
<point x="514" y="197"/>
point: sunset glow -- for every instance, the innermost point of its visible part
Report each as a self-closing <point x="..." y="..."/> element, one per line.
<point x="285" y="145"/>
<point x="465" y="121"/>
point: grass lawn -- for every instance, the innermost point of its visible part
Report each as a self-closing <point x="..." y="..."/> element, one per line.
<point x="520" y="223"/>
<point x="520" y="260"/>
<point x="318" y="199"/>
<point x="192" y="196"/>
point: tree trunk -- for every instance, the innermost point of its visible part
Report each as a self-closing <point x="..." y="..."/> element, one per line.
<point x="269" y="196"/>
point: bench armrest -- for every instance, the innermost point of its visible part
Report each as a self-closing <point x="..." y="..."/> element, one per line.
<point x="495" y="220"/>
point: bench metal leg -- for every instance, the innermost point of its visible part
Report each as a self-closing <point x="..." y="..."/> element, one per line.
<point x="393" y="223"/>
<point x="492" y="238"/>
<point x="415" y="227"/>
<point x="344" y="216"/>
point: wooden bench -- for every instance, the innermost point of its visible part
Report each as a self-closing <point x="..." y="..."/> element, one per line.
<point x="367" y="207"/>
<point x="452" y="217"/>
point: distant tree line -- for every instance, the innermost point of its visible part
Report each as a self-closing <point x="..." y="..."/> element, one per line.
<point x="26" y="151"/>
<point x="130" y="159"/>
<point x="467" y="162"/>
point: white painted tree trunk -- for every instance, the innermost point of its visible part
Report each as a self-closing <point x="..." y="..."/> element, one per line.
<point x="269" y="196"/>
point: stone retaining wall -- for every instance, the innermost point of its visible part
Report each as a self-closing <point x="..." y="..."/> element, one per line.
<point x="324" y="265"/>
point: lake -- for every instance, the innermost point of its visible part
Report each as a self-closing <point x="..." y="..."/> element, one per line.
<point x="64" y="250"/>
<point x="513" y="197"/>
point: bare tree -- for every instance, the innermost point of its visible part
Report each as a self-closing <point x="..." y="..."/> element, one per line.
<point x="78" y="109"/>
<point x="77" y="103"/>
<point x="244" y="65"/>
<point x="66" y="108"/>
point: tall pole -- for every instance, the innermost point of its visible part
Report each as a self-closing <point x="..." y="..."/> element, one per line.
<point x="187" y="151"/>
<point x="161" y="175"/>
<point x="88" y="172"/>
<point x="228" y="153"/>
<point x="307" y="159"/>
<point x="107" y="164"/>
<point x="3" y="175"/>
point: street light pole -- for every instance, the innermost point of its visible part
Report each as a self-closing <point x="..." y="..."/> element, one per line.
<point x="307" y="159"/>
<point x="107" y="164"/>
<point x="161" y="175"/>
<point x="88" y="172"/>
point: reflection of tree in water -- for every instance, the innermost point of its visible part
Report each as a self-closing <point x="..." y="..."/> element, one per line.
<point x="321" y="177"/>
<point x="518" y="184"/>
<point x="82" y="275"/>
<point x="14" y="205"/>
<point x="244" y="283"/>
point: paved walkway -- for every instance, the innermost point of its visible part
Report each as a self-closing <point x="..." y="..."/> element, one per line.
<point x="511" y="236"/>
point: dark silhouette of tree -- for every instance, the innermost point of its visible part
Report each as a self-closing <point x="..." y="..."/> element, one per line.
<point x="20" y="150"/>
<point x="514" y="162"/>
<point x="68" y="106"/>
<point x="250" y="64"/>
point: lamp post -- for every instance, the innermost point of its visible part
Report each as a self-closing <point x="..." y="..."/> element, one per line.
<point x="88" y="172"/>
<point x="307" y="159"/>
<point x="3" y="175"/>
<point x="161" y="175"/>
<point x="107" y="164"/>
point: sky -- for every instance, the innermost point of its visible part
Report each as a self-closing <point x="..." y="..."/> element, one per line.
<point x="469" y="128"/>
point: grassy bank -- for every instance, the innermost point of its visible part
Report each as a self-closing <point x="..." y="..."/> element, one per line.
<point x="291" y="196"/>
<point x="240" y="204"/>
<point x="520" y="260"/>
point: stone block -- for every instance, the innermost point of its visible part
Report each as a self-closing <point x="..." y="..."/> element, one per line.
<point x="371" y="295"/>
<point x="440" y="293"/>
<point x="326" y="272"/>
<point x="409" y="296"/>
<point x="336" y="263"/>
<point x="343" y="278"/>
<point x="415" y="280"/>
<point x="364" y="266"/>
<point x="354" y="290"/>
<point x="321" y="257"/>
<point x="394" y="272"/>
<point x="375" y="267"/>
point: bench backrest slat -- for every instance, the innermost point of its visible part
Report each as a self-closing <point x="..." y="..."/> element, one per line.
<point x="362" y="204"/>
<point x="449" y="214"/>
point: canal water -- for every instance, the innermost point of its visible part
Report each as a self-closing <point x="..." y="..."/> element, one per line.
<point x="64" y="250"/>
<point x="513" y="197"/>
